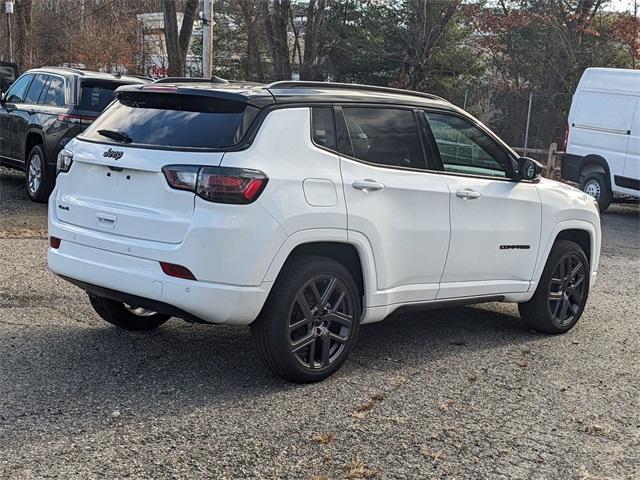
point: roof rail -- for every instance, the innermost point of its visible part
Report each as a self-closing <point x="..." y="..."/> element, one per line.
<point x="213" y="79"/>
<point x="286" y="84"/>
<point x="68" y="69"/>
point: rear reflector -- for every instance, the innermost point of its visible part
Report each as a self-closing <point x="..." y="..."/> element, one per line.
<point x="217" y="184"/>
<point x="177" y="271"/>
<point x="54" y="242"/>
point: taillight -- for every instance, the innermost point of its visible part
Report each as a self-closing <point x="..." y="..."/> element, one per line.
<point x="217" y="184"/>
<point x="177" y="271"/>
<point x="54" y="242"/>
<point x="73" y="118"/>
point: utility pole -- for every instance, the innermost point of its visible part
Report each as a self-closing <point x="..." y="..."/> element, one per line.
<point x="207" y="39"/>
<point x="8" y="9"/>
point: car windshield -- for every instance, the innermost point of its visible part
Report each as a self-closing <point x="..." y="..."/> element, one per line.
<point x="174" y="121"/>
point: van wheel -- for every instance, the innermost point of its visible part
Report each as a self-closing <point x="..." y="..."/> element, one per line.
<point x="125" y="316"/>
<point x="595" y="184"/>
<point x="310" y="321"/>
<point x="562" y="291"/>
<point x="39" y="179"/>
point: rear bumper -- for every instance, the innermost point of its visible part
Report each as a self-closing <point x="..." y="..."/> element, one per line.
<point x="138" y="280"/>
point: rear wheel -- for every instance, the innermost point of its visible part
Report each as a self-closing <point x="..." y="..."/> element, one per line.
<point x="311" y="320"/>
<point x="596" y="185"/>
<point x="126" y="316"/>
<point x="39" y="178"/>
<point x="562" y="291"/>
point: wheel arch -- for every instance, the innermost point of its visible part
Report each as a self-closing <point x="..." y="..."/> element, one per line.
<point x="582" y="232"/>
<point x="594" y="163"/>
<point x="34" y="137"/>
<point x="357" y="258"/>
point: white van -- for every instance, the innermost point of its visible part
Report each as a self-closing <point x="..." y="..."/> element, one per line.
<point x="603" y="141"/>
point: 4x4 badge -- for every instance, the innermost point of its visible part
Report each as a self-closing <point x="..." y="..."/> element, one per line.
<point x="115" y="154"/>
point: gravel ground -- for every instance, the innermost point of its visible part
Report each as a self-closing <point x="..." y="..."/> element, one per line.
<point x="459" y="393"/>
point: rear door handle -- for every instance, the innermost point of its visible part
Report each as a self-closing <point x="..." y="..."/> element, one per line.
<point x="367" y="185"/>
<point x="467" y="194"/>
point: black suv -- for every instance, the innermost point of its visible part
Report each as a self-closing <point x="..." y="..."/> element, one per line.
<point x="42" y="111"/>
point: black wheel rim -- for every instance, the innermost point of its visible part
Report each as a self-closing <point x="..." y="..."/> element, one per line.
<point x="567" y="289"/>
<point x="320" y="321"/>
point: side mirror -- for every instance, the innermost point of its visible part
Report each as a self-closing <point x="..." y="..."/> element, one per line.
<point x="529" y="169"/>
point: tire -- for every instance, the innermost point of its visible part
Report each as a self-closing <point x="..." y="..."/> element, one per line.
<point x="560" y="297"/>
<point x="596" y="185"/>
<point x="39" y="178"/>
<point x="324" y="337"/>
<point x="118" y="314"/>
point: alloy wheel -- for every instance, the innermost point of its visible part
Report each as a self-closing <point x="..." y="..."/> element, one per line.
<point x="34" y="173"/>
<point x="320" y="321"/>
<point x="567" y="289"/>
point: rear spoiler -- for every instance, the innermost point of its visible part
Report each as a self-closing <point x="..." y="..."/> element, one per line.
<point x="256" y="96"/>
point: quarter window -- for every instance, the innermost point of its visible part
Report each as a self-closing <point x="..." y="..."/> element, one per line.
<point x="55" y="93"/>
<point x="323" y="131"/>
<point x="464" y="148"/>
<point x="385" y="136"/>
<point x="18" y="90"/>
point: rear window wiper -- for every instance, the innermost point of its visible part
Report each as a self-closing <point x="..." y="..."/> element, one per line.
<point x="116" y="135"/>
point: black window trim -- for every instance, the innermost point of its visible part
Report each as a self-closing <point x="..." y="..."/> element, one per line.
<point x="511" y="170"/>
<point x="342" y="133"/>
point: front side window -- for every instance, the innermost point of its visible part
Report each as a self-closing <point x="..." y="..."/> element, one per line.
<point x="464" y="148"/>
<point x="33" y="94"/>
<point x="18" y="90"/>
<point x="173" y="121"/>
<point x="384" y="136"/>
<point x="55" y="93"/>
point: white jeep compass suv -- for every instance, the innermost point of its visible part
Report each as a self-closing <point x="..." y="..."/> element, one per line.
<point x="306" y="209"/>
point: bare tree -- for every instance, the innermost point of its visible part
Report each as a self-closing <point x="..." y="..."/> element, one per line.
<point x="276" y="29"/>
<point x="178" y="42"/>
<point x="24" y="43"/>
<point x="312" y="40"/>
<point x="251" y="12"/>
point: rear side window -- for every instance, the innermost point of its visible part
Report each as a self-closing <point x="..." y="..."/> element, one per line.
<point x="55" y="93"/>
<point x="33" y="94"/>
<point x="96" y="97"/>
<point x="323" y="130"/>
<point x="173" y="121"/>
<point x="385" y="136"/>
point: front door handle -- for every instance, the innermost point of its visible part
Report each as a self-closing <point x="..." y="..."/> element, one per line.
<point x="367" y="185"/>
<point x="467" y="194"/>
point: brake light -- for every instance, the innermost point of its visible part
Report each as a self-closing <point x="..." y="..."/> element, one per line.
<point x="217" y="184"/>
<point x="177" y="271"/>
<point x="73" y="118"/>
<point x="54" y="242"/>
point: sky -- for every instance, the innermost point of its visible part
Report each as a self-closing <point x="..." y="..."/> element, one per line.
<point x="621" y="5"/>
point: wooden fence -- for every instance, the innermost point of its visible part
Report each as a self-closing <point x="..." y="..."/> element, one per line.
<point x="552" y="164"/>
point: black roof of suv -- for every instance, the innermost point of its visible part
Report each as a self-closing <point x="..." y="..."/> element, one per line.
<point x="43" y="110"/>
<point x="286" y="92"/>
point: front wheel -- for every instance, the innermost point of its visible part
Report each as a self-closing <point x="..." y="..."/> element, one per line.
<point x="126" y="316"/>
<point x="562" y="291"/>
<point x="311" y="320"/>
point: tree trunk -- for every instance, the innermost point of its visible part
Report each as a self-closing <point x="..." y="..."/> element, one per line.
<point x="312" y="40"/>
<point x="255" y="70"/>
<point x="24" y="43"/>
<point x="178" y="42"/>
<point x="276" y="20"/>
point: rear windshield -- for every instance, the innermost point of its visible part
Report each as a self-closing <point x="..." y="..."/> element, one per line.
<point x="173" y="121"/>
<point x="95" y="98"/>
